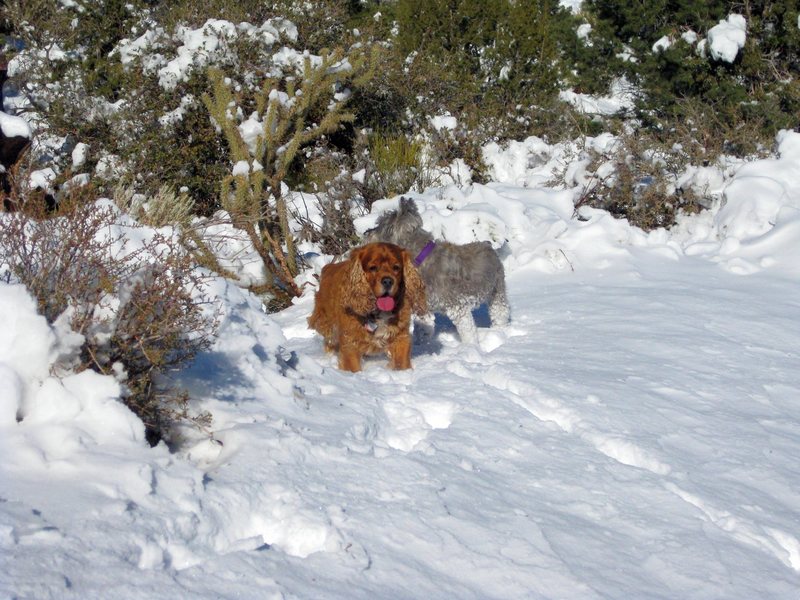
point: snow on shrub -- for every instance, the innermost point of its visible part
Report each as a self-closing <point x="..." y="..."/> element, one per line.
<point x="131" y="295"/>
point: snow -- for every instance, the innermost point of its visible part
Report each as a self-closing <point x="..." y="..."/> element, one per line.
<point x="621" y="99"/>
<point x="447" y="122"/>
<point x="201" y="47"/>
<point x="42" y="178"/>
<point x="242" y="167"/>
<point x="573" y="5"/>
<point x="130" y="50"/>
<point x="289" y="59"/>
<point x="631" y="433"/>
<point x="727" y="38"/>
<point x="79" y="155"/>
<point x="108" y="167"/>
<point x="690" y="37"/>
<point x="13" y="126"/>
<point x="252" y="130"/>
<point x="232" y="248"/>
<point x="662" y="44"/>
<point x="175" y="116"/>
<point x="196" y="50"/>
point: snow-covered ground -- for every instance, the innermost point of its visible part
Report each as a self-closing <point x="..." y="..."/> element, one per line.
<point x="631" y="433"/>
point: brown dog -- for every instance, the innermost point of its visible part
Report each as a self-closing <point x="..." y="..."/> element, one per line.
<point x="364" y="305"/>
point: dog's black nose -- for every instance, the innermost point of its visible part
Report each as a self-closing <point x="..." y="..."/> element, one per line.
<point x="387" y="282"/>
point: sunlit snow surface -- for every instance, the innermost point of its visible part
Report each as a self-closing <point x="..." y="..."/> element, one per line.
<point x="631" y="433"/>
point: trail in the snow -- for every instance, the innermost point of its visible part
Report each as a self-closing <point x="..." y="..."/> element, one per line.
<point x="578" y="411"/>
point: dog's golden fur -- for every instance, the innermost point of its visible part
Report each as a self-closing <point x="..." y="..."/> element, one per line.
<point x="346" y="312"/>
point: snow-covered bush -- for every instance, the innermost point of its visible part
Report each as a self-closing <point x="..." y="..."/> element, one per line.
<point x="128" y="78"/>
<point x="154" y="107"/>
<point x="637" y="179"/>
<point x="131" y="296"/>
<point x="730" y="70"/>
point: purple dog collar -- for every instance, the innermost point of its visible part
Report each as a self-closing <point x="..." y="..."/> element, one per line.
<point x="424" y="253"/>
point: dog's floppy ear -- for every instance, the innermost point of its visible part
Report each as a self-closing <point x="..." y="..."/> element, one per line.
<point x="357" y="294"/>
<point x="415" y="288"/>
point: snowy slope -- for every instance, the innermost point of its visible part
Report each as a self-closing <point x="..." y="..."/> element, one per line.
<point x="632" y="433"/>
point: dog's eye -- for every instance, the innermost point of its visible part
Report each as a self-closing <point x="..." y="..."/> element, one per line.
<point x="373" y="269"/>
<point x="396" y="268"/>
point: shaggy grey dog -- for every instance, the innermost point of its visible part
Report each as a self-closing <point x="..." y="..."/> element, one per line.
<point x="458" y="277"/>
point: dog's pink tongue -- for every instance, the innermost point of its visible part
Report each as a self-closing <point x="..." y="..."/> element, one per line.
<point x="386" y="303"/>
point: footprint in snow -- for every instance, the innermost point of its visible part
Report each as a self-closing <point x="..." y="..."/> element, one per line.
<point x="27" y="527"/>
<point x="403" y="423"/>
<point x="407" y="421"/>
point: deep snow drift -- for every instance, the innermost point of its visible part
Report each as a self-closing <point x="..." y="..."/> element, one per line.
<point x="632" y="433"/>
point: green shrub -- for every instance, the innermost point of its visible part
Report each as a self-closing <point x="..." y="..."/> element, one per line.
<point x="397" y="162"/>
<point x="482" y="61"/>
<point x="758" y="89"/>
